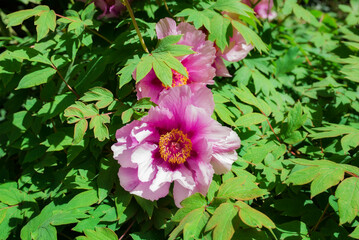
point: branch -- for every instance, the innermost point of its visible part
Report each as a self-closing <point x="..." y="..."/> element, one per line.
<point x="125" y="2"/>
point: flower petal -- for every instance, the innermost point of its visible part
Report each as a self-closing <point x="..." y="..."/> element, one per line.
<point x="166" y="27"/>
<point x="143" y="157"/>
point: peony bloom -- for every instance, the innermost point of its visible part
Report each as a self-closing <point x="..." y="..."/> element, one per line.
<point x="198" y="65"/>
<point x="110" y="8"/>
<point x="263" y="8"/>
<point x="177" y="142"/>
<point x="236" y="51"/>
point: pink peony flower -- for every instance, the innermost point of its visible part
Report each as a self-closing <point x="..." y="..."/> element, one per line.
<point x="177" y="142"/>
<point x="110" y="8"/>
<point x="198" y="65"/>
<point x="263" y="8"/>
<point x="236" y="51"/>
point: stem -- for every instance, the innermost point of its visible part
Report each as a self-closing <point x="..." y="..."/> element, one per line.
<point x="91" y="30"/>
<point x="168" y="10"/>
<point x="68" y="86"/>
<point x="319" y="220"/>
<point x="125" y="2"/>
<point x="128" y="229"/>
<point x="9" y="207"/>
<point x="98" y="34"/>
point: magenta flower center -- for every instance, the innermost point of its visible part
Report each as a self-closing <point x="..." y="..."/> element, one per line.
<point x="177" y="79"/>
<point x="175" y="147"/>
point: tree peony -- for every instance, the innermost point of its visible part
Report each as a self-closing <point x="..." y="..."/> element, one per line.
<point x="177" y="142"/>
<point x="198" y="65"/>
<point x="236" y="51"/>
<point x="110" y="8"/>
<point x="263" y="8"/>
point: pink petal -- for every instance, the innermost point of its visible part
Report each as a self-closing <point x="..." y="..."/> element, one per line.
<point x="221" y="69"/>
<point x="166" y="27"/>
<point x="143" y="157"/>
<point x="224" y="142"/>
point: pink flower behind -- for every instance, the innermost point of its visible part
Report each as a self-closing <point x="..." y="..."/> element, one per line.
<point x="236" y="51"/>
<point x="177" y="142"/>
<point x="110" y="8"/>
<point x="263" y="8"/>
<point x="198" y="65"/>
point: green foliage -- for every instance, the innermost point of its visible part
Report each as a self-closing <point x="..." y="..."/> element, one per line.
<point x="67" y="85"/>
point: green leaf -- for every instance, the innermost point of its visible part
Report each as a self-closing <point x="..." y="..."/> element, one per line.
<point x="194" y="201"/>
<point x="147" y="205"/>
<point x="250" y="119"/>
<point x="36" y="78"/>
<point x="54" y="108"/>
<point x="218" y="31"/>
<point x="355" y="233"/>
<point x="233" y="6"/>
<point x="102" y="96"/>
<point x="106" y="177"/>
<point x="250" y="36"/>
<point x="18" y="17"/>
<point x="198" y="18"/>
<point x="45" y="22"/>
<point x="240" y="188"/>
<point x="99" y="233"/>
<point x="171" y="62"/>
<point x="221" y="221"/>
<point x="98" y="124"/>
<point x="245" y="95"/>
<point x="253" y="217"/>
<point x="348" y="199"/>
<point x="168" y="45"/>
<point x="350" y="141"/>
<point x="57" y="141"/>
<point x="80" y="130"/>
<point x="322" y="173"/>
<point x="163" y="72"/>
<point x="144" y="67"/>
<point x="127" y="71"/>
<point x="224" y="114"/>
<point x="288" y="62"/>
<point x="192" y="224"/>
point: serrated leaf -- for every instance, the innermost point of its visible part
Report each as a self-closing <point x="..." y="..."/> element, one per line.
<point x="221" y="221"/>
<point x="192" y="224"/>
<point x="253" y="217"/>
<point x="18" y="17"/>
<point x="36" y="78"/>
<point x="171" y="62"/>
<point x="218" y="33"/>
<point x="197" y="17"/>
<point x="240" y="188"/>
<point x="45" y="22"/>
<point x="168" y="45"/>
<point x="245" y="95"/>
<point x="99" y="233"/>
<point x="98" y="124"/>
<point x="144" y="67"/>
<point x="163" y="72"/>
<point x="323" y="174"/>
<point x="127" y="71"/>
<point x="348" y="199"/>
<point x="224" y="114"/>
<point x="233" y="6"/>
<point x="250" y="36"/>
<point x="250" y="119"/>
<point x="103" y="97"/>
